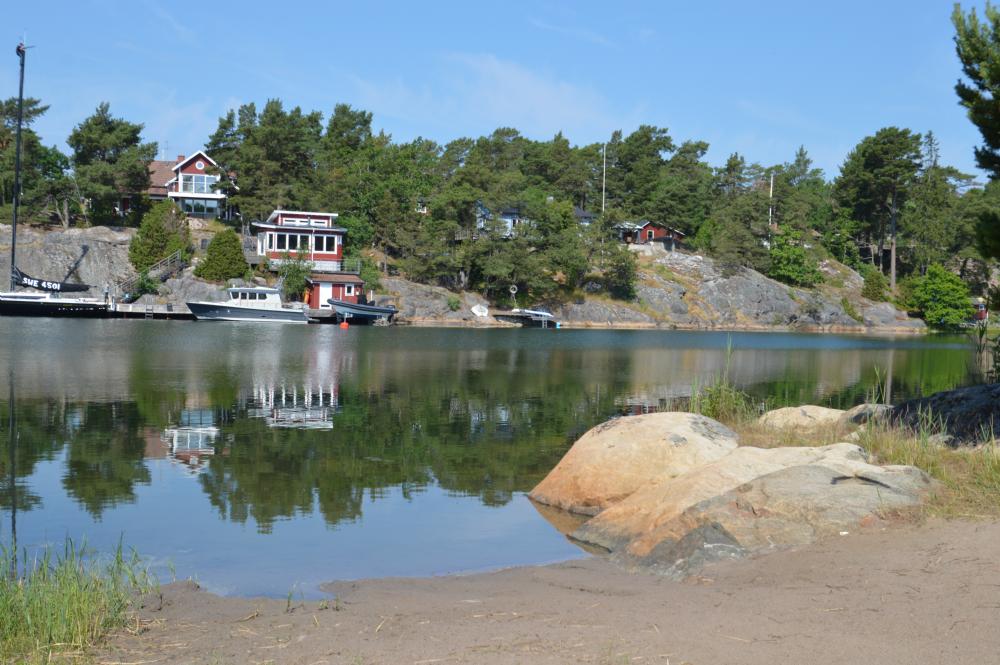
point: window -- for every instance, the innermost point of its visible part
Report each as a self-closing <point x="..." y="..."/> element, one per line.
<point x="282" y="241"/>
<point x="293" y="242"/>
<point x="326" y="243"/>
<point x="197" y="183"/>
<point x="349" y="290"/>
<point x="243" y="295"/>
<point x="270" y="241"/>
<point x="649" y="234"/>
<point x="304" y="242"/>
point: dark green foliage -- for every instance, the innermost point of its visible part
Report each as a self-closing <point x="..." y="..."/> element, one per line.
<point x="145" y="284"/>
<point x="454" y="303"/>
<point x="163" y="231"/>
<point x="850" y="310"/>
<point x="294" y="272"/>
<point x="790" y="263"/>
<point x="109" y="161"/>
<point x="223" y="259"/>
<point x="943" y="298"/>
<point x="620" y="274"/>
<point x="875" y="285"/>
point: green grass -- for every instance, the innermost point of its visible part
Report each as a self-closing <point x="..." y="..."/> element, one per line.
<point x="54" y="607"/>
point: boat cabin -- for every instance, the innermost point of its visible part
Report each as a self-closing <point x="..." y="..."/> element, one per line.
<point x="322" y="287"/>
<point x="255" y="296"/>
<point x="312" y="235"/>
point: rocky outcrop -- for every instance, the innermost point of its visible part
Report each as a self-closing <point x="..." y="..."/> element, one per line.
<point x="601" y="312"/>
<point x="806" y="416"/>
<point x="652" y="512"/>
<point x="613" y="460"/>
<point x="747" y="298"/>
<point x="50" y="254"/>
<point x="420" y="303"/>
<point x="966" y="417"/>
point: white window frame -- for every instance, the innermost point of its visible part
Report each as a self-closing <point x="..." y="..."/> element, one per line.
<point x="348" y="289"/>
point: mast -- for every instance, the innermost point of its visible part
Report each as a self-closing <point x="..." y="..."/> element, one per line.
<point x="17" y="166"/>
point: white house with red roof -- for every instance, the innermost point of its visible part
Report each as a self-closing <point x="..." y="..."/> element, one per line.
<point x="192" y="187"/>
<point x="189" y="182"/>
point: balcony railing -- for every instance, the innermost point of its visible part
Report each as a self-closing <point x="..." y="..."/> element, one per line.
<point x="352" y="266"/>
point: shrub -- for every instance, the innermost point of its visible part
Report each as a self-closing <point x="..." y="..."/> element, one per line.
<point x="454" y="303"/>
<point x="850" y="311"/>
<point x="875" y="284"/>
<point x="294" y="272"/>
<point x="943" y="298"/>
<point x="621" y="273"/>
<point x="223" y="258"/>
<point x="163" y="231"/>
<point x="790" y="263"/>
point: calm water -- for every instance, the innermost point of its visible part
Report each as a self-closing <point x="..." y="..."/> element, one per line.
<point x="258" y="458"/>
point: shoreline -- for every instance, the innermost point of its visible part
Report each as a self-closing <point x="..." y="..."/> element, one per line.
<point x="910" y="593"/>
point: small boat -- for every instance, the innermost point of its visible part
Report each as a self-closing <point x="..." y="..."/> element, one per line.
<point x="358" y="313"/>
<point x="20" y="303"/>
<point x="252" y="303"/>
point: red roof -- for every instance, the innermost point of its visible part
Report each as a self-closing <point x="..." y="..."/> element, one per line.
<point x="160" y="173"/>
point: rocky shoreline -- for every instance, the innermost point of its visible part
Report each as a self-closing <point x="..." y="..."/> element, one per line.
<point x="675" y="291"/>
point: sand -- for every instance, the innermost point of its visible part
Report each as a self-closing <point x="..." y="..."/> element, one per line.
<point x="912" y="594"/>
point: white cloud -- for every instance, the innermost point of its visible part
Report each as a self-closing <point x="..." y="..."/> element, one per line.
<point x="572" y="31"/>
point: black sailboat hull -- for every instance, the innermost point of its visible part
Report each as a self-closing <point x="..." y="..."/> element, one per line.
<point x="53" y="307"/>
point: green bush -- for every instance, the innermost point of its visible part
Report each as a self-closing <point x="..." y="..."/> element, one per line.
<point x="294" y="272"/>
<point x="850" y="311"/>
<point x="223" y="258"/>
<point x="454" y="303"/>
<point x="621" y="273"/>
<point x="943" y="298"/>
<point x="163" y="231"/>
<point x="790" y="263"/>
<point x="875" y="285"/>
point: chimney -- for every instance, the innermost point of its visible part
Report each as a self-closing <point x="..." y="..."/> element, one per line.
<point x="180" y="158"/>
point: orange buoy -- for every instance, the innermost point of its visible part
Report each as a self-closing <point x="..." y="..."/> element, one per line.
<point x="344" y="325"/>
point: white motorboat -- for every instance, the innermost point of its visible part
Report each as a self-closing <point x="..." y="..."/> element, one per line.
<point x="252" y="303"/>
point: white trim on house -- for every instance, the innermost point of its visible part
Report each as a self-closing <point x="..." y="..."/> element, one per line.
<point x="329" y="215"/>
<point x="190" y="157"/>
<point x="193" y="195"/>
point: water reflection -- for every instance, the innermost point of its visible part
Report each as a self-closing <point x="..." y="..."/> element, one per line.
<point x="320" y="426"/>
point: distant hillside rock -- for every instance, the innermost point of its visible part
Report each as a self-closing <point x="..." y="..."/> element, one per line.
<point x="421" y="303"/>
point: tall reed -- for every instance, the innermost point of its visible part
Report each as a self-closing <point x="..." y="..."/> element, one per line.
<point x="55" y="606"/>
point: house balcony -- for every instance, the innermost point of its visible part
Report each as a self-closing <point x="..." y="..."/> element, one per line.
<point x="351" y="266"/>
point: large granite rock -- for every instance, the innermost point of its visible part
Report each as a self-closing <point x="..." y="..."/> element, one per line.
<point x="863" y="414"/>
<point x="634" y="525"/>
<point x="421" y="303"/>
<point x="50" y="254"/>
<point x="599" y="312"/>
<point x="616" y="458"/>
<point x="750" y="501"/>
<point x="793" y="506"/>
<point x="966" y="416"/>
<point x="805" y="416"/>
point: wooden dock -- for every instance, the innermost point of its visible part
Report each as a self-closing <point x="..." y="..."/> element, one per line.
<point x="122" y="310"/>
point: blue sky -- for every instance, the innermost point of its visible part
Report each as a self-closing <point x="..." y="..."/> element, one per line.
<point x="757" y="78"/>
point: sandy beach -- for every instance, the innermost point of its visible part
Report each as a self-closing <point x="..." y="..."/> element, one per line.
<point x="909" y="594"/>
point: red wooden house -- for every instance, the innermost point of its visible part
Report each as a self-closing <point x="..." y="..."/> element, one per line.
<point x="645" y="231"/>
<point x="339" y="286"/>
<point x="311" y="235"/>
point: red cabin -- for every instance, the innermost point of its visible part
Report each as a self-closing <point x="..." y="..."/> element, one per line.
<point x="322" y="287"/>
<point x="644" y="232"/>
<point x="311" y="235"/>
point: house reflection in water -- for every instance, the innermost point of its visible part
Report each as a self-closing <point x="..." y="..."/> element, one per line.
<point x="193" y="440"/>
<point x="296" y="407"/>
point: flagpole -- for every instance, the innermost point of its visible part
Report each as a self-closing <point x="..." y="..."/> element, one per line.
<point x="17" y="167"/>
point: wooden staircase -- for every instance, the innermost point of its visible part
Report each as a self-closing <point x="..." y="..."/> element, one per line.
<point x="161" y="271"/>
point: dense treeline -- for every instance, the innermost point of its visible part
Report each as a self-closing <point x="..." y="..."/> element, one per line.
<point x="894" y="208"/>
